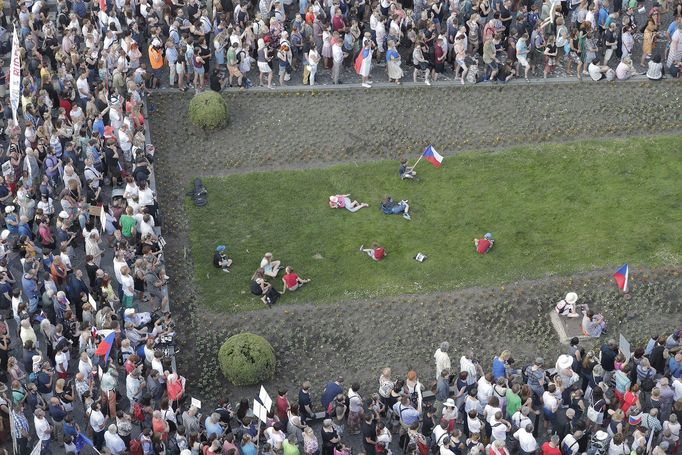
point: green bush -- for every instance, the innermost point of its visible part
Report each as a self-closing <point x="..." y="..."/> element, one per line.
<point x="208" y="110"/>
<point x="247" y="359"/>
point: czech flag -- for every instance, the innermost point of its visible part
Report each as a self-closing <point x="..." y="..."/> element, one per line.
<point x="104" y="348"/>
<point x="621" y="277"/>
<point x="432" y="156"/>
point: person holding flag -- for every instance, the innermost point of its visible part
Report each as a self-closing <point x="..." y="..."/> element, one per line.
<point x="363" y="62"/>
<point x="405" y="171"/>
<point x="429" y="154"/>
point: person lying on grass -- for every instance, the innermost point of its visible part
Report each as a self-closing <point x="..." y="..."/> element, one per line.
<point x="376" y="252"/>
<point x="485" y="244"/>
<point x="263" y="289"/>
<point x="270" y="267"/>
<point x="220" y="259"/>
<point x="291" y="280"/>
<point x="391" y="207"/>
<point x="405" y="171"/>
<point x="343" y="201"/>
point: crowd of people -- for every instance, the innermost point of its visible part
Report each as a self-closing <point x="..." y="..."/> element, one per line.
<point x="86" y="334"/>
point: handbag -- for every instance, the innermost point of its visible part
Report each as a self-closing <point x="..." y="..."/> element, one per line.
<point x="594" y="415"/>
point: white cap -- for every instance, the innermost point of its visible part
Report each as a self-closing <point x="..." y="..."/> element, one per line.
<point x="63" y="214"/>
<point x="4" y="234"/>
<point x="9" y="209"/>
<point x="129" y="311"/>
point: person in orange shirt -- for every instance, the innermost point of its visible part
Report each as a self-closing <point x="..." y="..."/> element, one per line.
<point x="156" y="61"/>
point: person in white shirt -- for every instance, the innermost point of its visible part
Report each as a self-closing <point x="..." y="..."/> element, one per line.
<point x="128" y="285"/>
<point x="97" y="420"/>
<point x="445" y="447"/>
<point x="491" y="409"/>
<point x="43" y="428"/>
<point x="83" y="87"/>
<point x="677" y="388"/>
<point x="439" y="434"/>
<point x="473" y="369"/>
<point x="134" y="386"/>
<point x="520" y="418"/>
<point x="61" y="360"/>
<point x="550" y="404"/>
<point x="485" y="389"/>
<point x="474" y="424"/>
<point x="113" y="441"/>
<point x="527" y="443"/>
<point x="145" y="195"/>
<point x="442" y="358"/>
<point x="85" y="365"/>
<point x="570" y="445"/>
<point x="597" y="71"/>
<point x="498" y="448"/>
<point x="499" y="427"/>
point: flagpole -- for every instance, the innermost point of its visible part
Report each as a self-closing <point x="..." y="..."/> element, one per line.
<point x="418" y="160"/>
<point x="258" y="437"/>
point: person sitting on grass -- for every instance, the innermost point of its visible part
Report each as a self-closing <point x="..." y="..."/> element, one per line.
<point x="593" y="325"/>
<point x="291" y="280"/>
<point x="220" y="259"/>
<point x="376" y="252"/>
<point x="405" y="171"/>
<point x="343" y="201"/>
<point x="391" y="207"/>
<point x="567" y="307"/>
<point x="263" y="289"/>
<point x="270" y="267"/>
<point x="485" y="244"/>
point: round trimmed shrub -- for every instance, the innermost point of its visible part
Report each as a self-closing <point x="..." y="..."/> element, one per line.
<point x="208" y="110"/>
<point x="247" y="359"/>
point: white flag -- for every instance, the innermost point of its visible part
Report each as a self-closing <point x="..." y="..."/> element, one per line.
<point x="15" y="75"/>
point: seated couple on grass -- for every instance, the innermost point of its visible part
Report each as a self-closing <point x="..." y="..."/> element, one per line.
<point x="391" y="207"/>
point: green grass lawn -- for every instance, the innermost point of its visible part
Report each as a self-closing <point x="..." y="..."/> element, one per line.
<point x="553" y="209"/>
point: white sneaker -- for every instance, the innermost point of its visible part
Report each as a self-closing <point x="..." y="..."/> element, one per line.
<point x="427" y="82"/>
<point x="366" y="85"/>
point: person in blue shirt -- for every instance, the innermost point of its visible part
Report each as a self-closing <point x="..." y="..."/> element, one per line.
<point x="24" y="229"/>
<point x="405" y="171"/>
<point x="212" y="425"/>
<point x="500" y="365"/>
<point x="11" y="220"/>
<point x="330" y="391"/>
<point x="248" y="447"/>
<point x="675" y="365"/>
<point x="407" y="414"/>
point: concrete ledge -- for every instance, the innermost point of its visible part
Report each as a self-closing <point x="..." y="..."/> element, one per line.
<point x="566" y="328"/>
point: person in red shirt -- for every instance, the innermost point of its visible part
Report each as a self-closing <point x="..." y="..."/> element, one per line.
<point x="485" y="244"/>
<point x="551" y="447"/>
<point x="376" y="252"/>
<point x="291" y="280"/>
<point x="282" y="406"/>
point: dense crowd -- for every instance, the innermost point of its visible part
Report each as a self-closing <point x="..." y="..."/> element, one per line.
<point x="87" y="343"/>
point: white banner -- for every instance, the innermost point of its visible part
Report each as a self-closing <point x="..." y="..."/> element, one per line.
<point x="15" y="75"/>
<point x="265" y="398"/>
